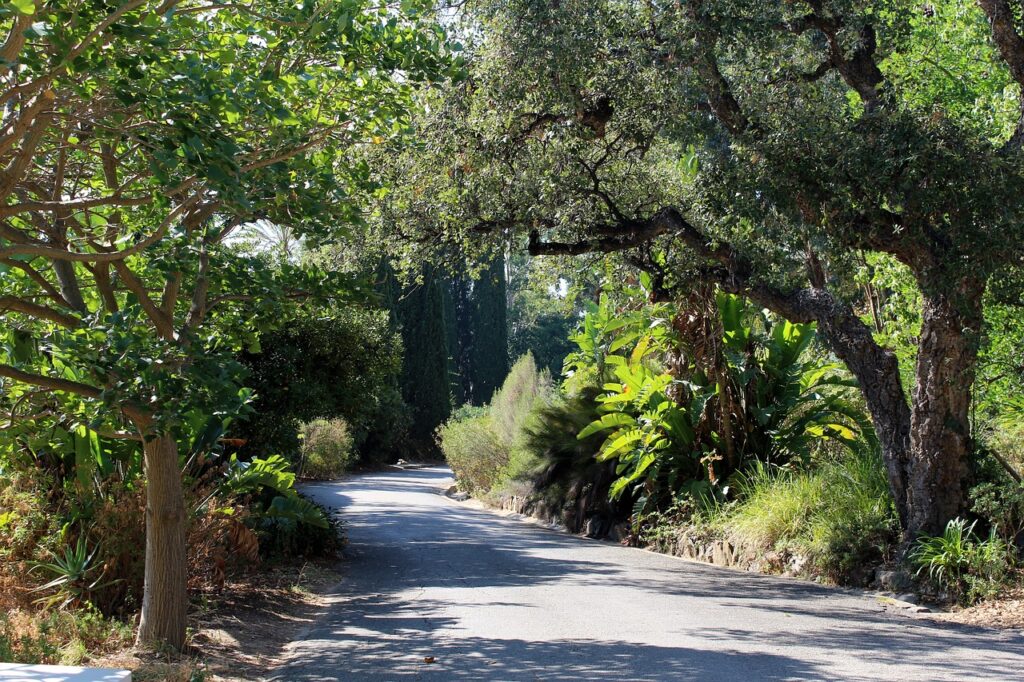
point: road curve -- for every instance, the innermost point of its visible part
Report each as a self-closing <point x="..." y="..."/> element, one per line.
<point x="485" y="597"/>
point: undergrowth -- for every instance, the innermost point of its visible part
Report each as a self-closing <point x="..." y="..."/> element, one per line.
<point x="838" y="514"/>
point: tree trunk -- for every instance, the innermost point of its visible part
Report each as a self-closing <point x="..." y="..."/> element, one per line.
<point x="940" y="425"/>
<point x="165" y="598"/>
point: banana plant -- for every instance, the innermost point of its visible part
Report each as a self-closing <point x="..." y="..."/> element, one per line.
<point x="648" y="434"/>
<point x="664" y="431"/>
<point x="794" y="400"/>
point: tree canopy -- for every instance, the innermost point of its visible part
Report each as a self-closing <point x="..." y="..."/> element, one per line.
<point x="767" y="148"/>
<point x="137" y="136"/>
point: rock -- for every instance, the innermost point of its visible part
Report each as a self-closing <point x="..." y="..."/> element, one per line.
<point x="908" y="597"/>
<point x="894" y="581"/>
<point x="619" y="532"/>
<point x="460" y="496"/>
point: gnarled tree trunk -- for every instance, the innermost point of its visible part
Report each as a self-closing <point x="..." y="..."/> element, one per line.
<point x="940" y="425"/>
<point x="165" y="597"/>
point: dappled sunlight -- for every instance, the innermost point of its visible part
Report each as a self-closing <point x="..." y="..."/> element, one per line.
<point x="491" y="597"/>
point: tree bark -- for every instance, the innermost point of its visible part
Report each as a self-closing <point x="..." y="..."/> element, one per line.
<point x="941" y="440"/>
<point x="165" y="598"/>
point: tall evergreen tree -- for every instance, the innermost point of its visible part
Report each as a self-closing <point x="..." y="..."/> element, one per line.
<point x="459" y="319"/>
<point x="489" y="350"/>
<point x="418" y="311"/>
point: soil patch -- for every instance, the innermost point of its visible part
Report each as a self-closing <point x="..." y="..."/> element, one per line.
<point x="1005" y="611"/>
<point x="240" y="633"/>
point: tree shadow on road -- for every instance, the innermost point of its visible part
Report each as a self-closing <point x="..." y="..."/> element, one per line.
<point x="406" y="543"/>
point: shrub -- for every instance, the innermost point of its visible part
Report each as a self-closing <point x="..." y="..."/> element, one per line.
<point x="326" y="448"/>
<point x="956" y="561"/>
<point x="839" y="515"/>
<point x="346" y="364"/>
<point x="489" y="446"/>
<point x="517" y="398"/>
<point x="473" y="449"/>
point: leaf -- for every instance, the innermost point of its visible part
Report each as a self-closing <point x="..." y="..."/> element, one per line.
<point x="608" y="421"/>
<point x="615" y="445"/>
<point x="26" y="7"/>
<point x="641" y="349"/>
<point x="297" y="509"/>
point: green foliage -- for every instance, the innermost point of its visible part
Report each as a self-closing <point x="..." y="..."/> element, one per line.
<point x="957" y="561"/>
<point x="838" y="514"/>
<point x="472" y="449"/>
<point x="545" y="305"/>
<point x="418" y="312"/>
<point x="787" y="402"/>
<point x="75" y="576"/>
<point x="272" y="485"/>
<point x="341" y="363"/>
<point x="489" y="347"/>
<point x="512" y="404"/>
<point x="326" y="448"/>
<point x="648" y="433"/>
<point x="1001" y="503"/>
<point x="249" y="478"/>
<point x="488" y="446"/>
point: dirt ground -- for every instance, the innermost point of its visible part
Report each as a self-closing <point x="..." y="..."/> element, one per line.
<point x="238" y="635"/>
<point x="1006" y="611"/>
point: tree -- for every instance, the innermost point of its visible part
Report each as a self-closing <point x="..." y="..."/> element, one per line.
<point x="458" y="320"/>
<point x="766" y="149"/>
<point x="418" y="311"/>
<point x="137" y="136"/>
<point x="489" y="347"/>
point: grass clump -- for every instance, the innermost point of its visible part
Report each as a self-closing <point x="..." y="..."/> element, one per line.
<point x="839" y="514"/>
<point x="326" y="448"/>
<point x="963" y="565"/>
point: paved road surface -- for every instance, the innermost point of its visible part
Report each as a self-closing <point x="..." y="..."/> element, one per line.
<point x="494" y="598"/>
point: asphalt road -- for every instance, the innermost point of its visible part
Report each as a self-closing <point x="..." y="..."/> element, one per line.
<point x="495" y="598"/>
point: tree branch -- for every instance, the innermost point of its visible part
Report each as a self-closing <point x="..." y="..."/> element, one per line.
<point x="52" y="383"/>
<point x="1011" y="48"/>
<point x="42" y="312"/>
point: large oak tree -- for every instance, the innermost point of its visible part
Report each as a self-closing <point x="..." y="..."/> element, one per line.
<point x="766" y="148"/>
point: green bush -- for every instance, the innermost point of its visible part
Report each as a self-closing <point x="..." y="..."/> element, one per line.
<point x="515" y="401"/>
<point x="345" y="364"/>
<point x="839" y="514"/>
<point x="958" y="562"/>
<point x="489" y="446"/>
<point x="473" y="449"/>
<point x="326" y="448"/>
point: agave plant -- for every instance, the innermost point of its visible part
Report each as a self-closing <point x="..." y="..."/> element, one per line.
<point x="75" y="576"/>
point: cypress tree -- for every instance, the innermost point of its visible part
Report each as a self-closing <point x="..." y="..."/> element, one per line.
<point x="460" y="336"/>
<point x="489" y="350"/>
<point x="418" y="310"/>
